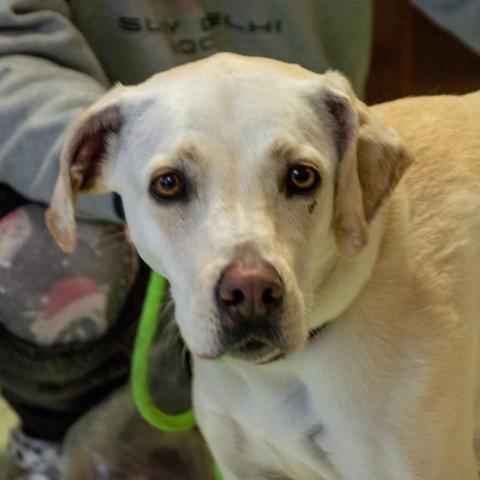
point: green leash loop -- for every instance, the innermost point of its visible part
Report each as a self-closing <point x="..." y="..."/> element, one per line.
<point x="141" y="355"/>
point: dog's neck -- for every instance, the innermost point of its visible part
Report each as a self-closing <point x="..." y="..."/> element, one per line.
<point x="337" y="291"/>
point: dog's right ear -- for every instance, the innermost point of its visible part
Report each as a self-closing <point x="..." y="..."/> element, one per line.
<point x="86" y="151"/>
<point x="371" y="160"/>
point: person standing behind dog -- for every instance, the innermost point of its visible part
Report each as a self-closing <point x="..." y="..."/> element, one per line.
<point x="67" y="321"/>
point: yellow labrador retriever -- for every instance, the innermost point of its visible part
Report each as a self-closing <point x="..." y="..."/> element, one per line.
<point x="340" y="287"/>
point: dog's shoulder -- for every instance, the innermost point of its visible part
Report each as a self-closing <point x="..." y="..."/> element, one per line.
<point x="442" y="134"/>
<point x="442" y="186"/>
<point x="438" y="124"/>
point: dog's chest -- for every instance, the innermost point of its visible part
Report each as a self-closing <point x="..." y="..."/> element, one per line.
<point x="272" y="426"/>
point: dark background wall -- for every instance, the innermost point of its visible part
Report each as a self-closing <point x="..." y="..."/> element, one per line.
<point x="412" y="56"/>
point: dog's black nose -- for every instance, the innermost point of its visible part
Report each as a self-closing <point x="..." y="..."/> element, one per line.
<point x="249" y="289"/>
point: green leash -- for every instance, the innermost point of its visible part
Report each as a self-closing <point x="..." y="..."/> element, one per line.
<point x="141" y="356"/>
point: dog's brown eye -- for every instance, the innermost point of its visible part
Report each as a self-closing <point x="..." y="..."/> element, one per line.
<point x="168" y="185"/>
<point x="302" y="179"/>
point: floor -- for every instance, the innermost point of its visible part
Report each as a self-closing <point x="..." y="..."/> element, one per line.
<point x="7" y="421"/>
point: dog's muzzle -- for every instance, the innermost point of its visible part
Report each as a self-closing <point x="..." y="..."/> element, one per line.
<point x="249" y="298"/>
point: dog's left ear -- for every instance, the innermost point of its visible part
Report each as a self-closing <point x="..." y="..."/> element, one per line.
<point x="83" y="161"/>
<point x="371" y="161"/>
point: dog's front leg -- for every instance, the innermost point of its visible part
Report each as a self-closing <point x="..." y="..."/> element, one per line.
<point x="225" y="442"/>
<point x="238" y="454"/>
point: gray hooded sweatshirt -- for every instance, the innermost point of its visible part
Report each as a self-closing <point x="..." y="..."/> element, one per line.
<point x="57" y="57"/>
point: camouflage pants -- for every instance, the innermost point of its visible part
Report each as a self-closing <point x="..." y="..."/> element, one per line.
<point x="66" y="321"/>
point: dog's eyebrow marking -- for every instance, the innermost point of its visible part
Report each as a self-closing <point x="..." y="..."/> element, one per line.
<point x="281" y="148"/>
<point x="187" y="152"/>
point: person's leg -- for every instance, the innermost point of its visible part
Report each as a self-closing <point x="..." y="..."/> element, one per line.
<point x="66" y="325"/>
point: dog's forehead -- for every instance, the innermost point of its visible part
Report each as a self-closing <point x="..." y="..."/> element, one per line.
<point x="228" y="80"/>
<point x="204" y="100"/>
<point x="229" y="105"/>
<point x="239" y="111"/>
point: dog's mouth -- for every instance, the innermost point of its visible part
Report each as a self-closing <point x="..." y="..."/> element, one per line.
<point x="252" y="345"/>
<point x="255" y="350"/>
<point x="259" y="351"/>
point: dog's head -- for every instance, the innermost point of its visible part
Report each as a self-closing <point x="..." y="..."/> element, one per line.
<point x="246" y="182"/>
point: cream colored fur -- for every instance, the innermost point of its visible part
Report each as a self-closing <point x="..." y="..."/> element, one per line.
<point x="389" y="387"/>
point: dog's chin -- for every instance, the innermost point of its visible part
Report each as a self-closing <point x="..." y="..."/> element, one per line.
<point x="256" y="352"/>
<point x="261" y="352"/>
<point x="256" y="348"/>
<point x="260" y="355"/>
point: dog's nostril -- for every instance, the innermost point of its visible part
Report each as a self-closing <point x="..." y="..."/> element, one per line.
<point x="237" y="298"/>
<point x="268" y="297"/>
